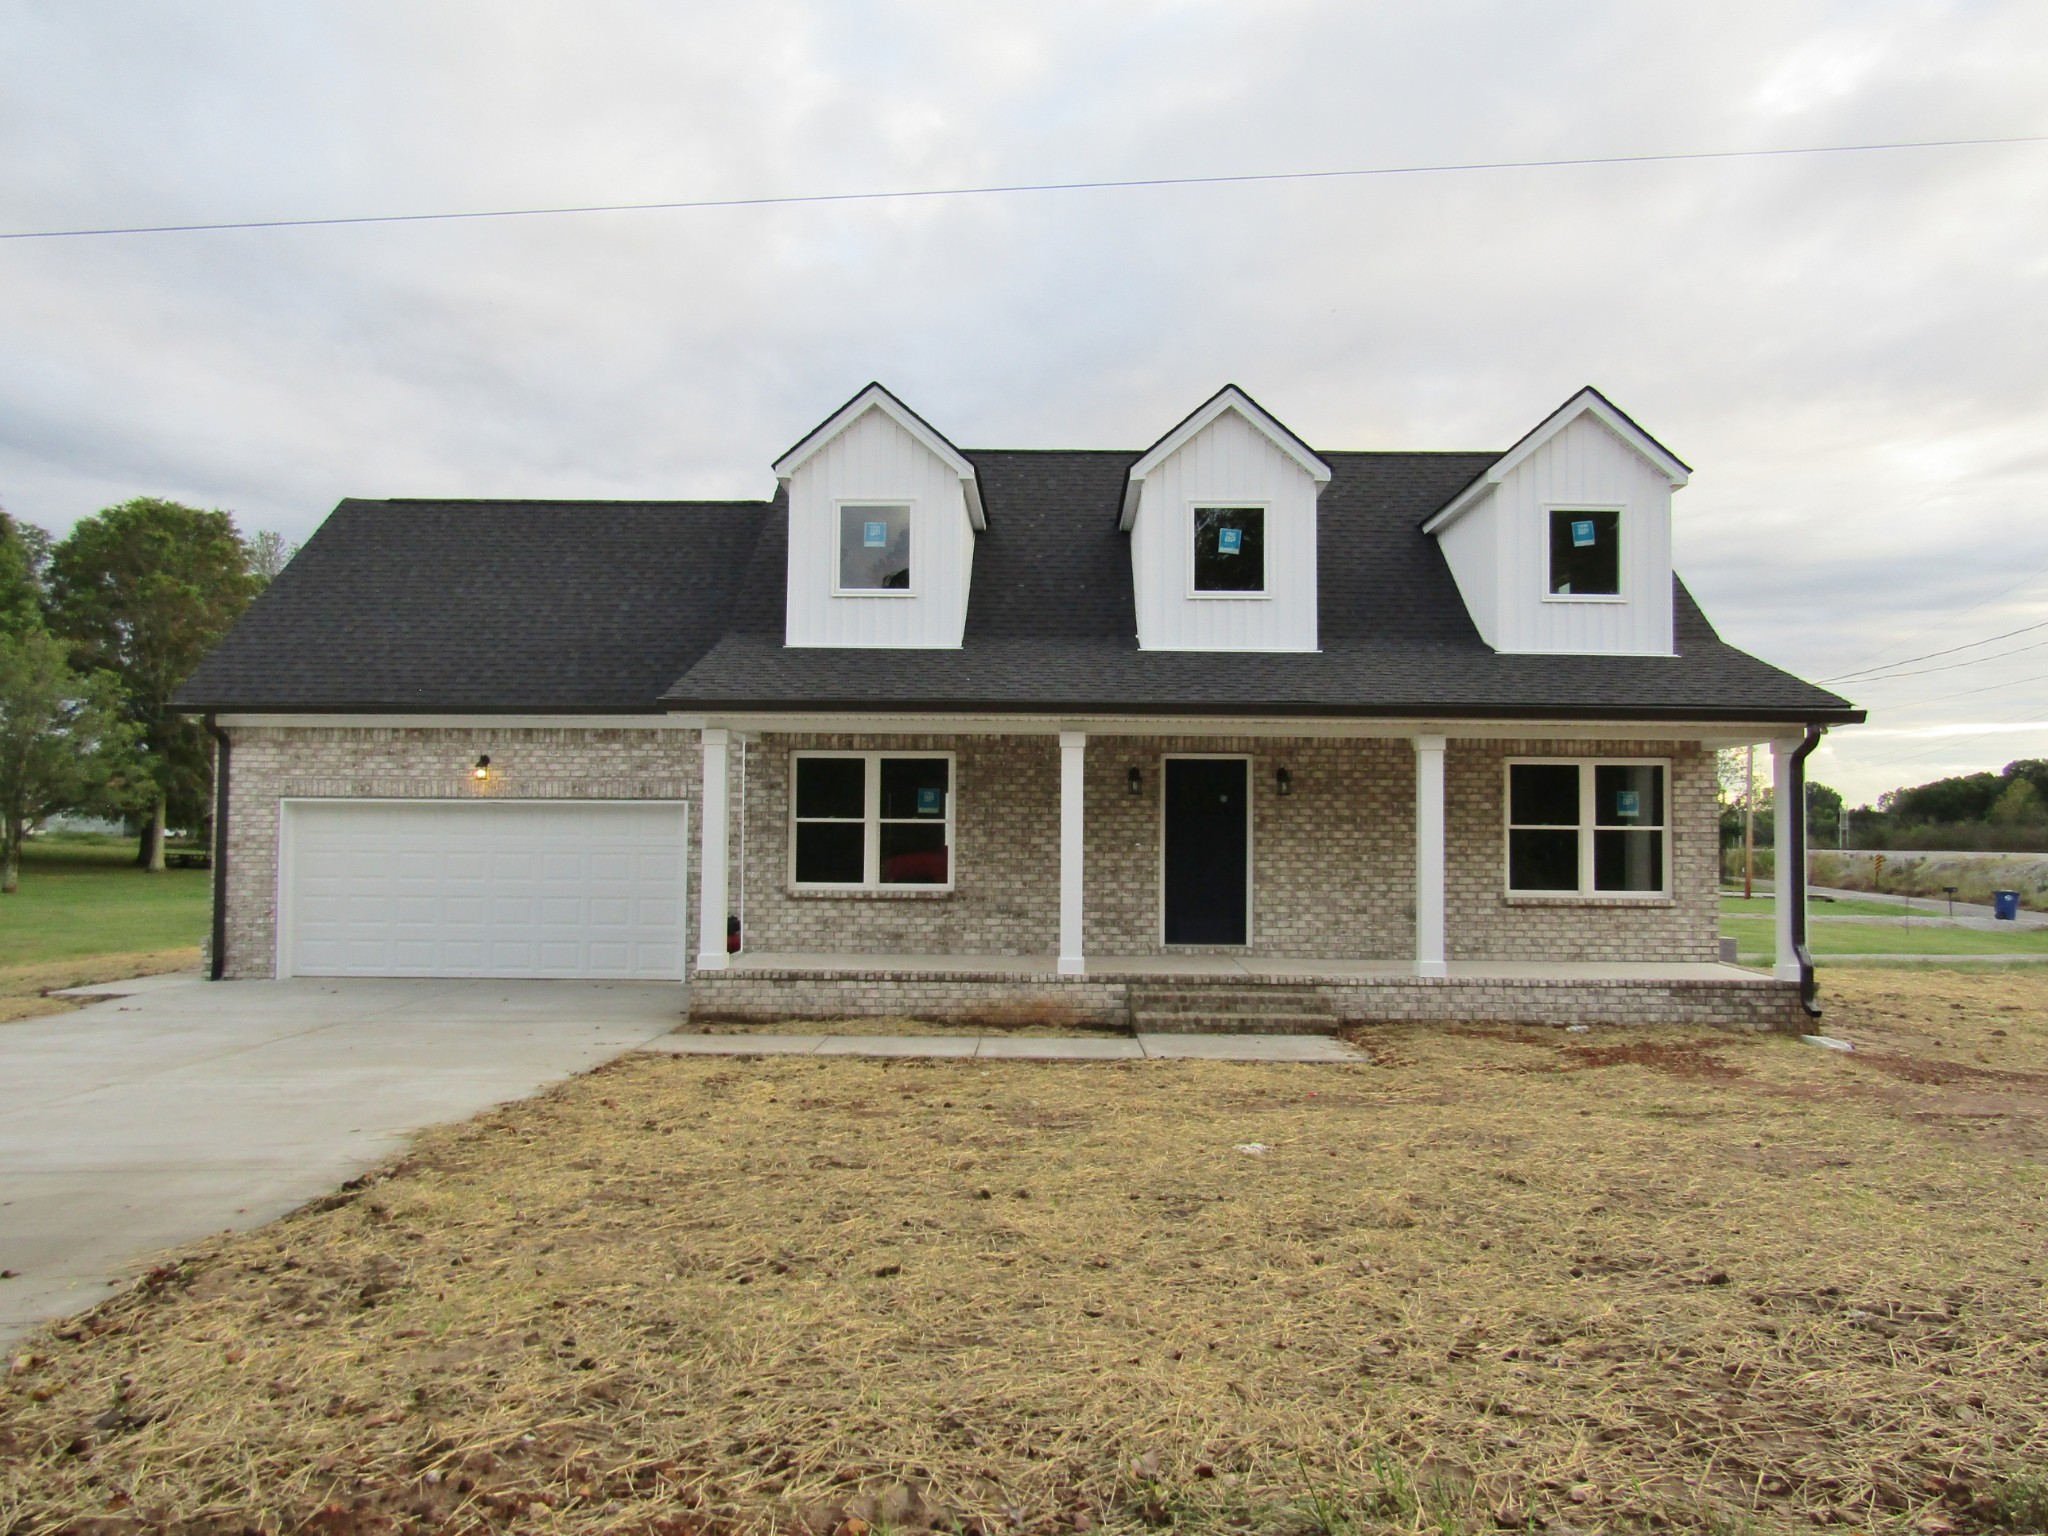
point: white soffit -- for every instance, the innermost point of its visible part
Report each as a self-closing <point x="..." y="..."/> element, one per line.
<point x="1228" y="398"/>
<point x="1587" y="402"/>
<point x="876" y="398"/>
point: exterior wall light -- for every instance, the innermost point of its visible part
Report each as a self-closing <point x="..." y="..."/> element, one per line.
<point x="1283" y="782"/>
<point x="482" y="770"/>
<point x="1136" y="781"/>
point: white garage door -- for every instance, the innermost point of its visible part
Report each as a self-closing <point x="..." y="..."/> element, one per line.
<point x="483" y="888"/>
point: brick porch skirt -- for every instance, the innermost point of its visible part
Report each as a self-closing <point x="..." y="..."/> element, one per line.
<point x="766" y="994"/>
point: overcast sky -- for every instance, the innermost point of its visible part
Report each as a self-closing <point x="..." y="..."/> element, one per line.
<point x="1848" y="348"/>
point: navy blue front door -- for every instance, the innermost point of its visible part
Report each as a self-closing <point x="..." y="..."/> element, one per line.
<point x="1207" y="799"/>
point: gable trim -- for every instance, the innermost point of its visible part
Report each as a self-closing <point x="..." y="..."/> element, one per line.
<point x="1228" y="398"/>
<point x="876" y="398"/>
<point x="1587" y="402"/>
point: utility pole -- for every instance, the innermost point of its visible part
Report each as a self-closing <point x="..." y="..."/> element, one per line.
<point x="1749" y="826"/>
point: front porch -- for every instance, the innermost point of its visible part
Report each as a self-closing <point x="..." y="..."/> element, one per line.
<point x="1365" y="874"/>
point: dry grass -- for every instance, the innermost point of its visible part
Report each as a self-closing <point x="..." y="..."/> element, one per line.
<point x="23" y="988"/>
<point x="1603" y="1282"/>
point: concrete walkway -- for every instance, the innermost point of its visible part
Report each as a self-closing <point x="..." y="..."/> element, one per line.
<point x="1019" y="1047"/>
<point x="183" y="1107"/>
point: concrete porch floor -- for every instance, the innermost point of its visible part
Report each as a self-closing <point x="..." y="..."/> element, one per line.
<point x="1227" y="967"/>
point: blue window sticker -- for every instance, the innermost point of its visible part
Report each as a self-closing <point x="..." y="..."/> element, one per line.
<point x="1582" y="532"/>
<point x="1229" y="541"/>
<point x="931" y="801"/>
<point x="1628" y="802"/>
<point x="876" y="535"/>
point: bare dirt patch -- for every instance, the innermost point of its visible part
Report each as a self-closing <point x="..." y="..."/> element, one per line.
<point x="1606" y="1282"/>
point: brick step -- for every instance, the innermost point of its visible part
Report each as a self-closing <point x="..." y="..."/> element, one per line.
<point x="1227" y="1023"/>
<point x="1227" y="999"/>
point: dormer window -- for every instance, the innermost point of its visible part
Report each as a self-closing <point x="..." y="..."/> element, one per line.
<point x="1585" y="552"/>
<point x="874" y="547"/>
<point x="1230" y="551"/>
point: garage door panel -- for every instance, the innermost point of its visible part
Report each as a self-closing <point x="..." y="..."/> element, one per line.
<point x="520" y="888"/>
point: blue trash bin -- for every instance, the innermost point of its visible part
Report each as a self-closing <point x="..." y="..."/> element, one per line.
<point x="2006" y="906"/>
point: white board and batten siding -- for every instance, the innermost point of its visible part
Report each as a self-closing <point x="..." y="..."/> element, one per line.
<point x="1499" y="549"/>
<point x="873" y="459"/>
<point x="1229" y="462"/>
<point x="481" y="888"/>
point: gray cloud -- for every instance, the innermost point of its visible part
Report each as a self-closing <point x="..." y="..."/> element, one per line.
<point x="1846" y="347"/>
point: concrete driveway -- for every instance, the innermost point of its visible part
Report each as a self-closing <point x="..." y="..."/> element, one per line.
<point x="186" y="1107"/>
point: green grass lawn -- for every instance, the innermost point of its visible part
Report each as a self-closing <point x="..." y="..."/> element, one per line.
<point x="83" y="895"/>
<point x="1762" y="906"/>
<point x="1756" y="940"/>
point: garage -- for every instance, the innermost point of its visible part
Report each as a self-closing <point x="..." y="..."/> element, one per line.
<point x="516" y="888"/>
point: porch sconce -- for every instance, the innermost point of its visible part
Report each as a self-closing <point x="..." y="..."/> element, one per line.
<point x="1136" y="782"/>
<point x="1283" y="782"/>
<point x="482" y="770"/>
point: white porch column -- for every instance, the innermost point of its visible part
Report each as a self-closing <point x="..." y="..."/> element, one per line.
<point x="1429" y="856"/>
<point x="711" y="867"/>
<point x="1073" y="847"/>
<point x="1788" y="883"/>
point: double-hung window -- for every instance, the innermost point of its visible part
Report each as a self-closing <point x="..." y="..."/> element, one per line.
<point x="1588" y="828"/>
<point x="872" y="820"/>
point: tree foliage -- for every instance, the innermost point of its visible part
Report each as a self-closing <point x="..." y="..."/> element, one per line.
<point x="64" y="739"/>
<point x="142" y="591"/>
<point x="21" y="588"/>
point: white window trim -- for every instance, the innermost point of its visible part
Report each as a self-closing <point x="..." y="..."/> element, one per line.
<point x="1265" y="509"/>
<point x="871" y="822"/>
<point x="1251" y="867"/>
<point x="910" y="518"/>
<point x="1588" y="825"/>
<point x="1620" y="509"/>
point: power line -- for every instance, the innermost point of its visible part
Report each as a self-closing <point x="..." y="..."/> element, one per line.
<point x="2013" y="682"/>
<point x="1945" y="619"/>
<point x="1890" y="668"/>
<point x="1949" y="666"/>
<point x="1015" y="187"/>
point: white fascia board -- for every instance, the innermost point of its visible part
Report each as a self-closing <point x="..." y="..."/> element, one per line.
<point x="1587" y="402"/>
<point x="1228" y="398"/>
<point x="876" y="398"/>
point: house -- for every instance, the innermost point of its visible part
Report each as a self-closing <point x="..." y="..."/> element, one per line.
<point x="946" y="732"/>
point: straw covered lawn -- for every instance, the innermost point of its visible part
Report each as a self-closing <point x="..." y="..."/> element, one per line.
<point x="1611" y="1281"/>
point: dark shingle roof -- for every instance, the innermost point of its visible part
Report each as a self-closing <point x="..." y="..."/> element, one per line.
<point x="619" y="606"/>
<point x="1051" y="626"/>
<point x="487" y="605"/>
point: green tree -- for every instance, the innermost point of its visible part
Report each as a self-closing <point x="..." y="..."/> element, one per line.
<point x="2019" y="806"/>
<point x="142" y="590"/>
<point x="64" y="740"/>
<point x="21" y="587"/>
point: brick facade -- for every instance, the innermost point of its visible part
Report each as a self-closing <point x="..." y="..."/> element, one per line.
<point x="1006" y="856"/>
<point x="1482" y="922"/>
<point x="768" y="996"/>
<point x="1333" y="861"/>
<point x="271" y="763"/>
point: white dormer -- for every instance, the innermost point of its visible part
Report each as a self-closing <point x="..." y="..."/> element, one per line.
<point x="1564" y="544"/>
<point x="882" y="517"/>
<point x="1222" y="517"/>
